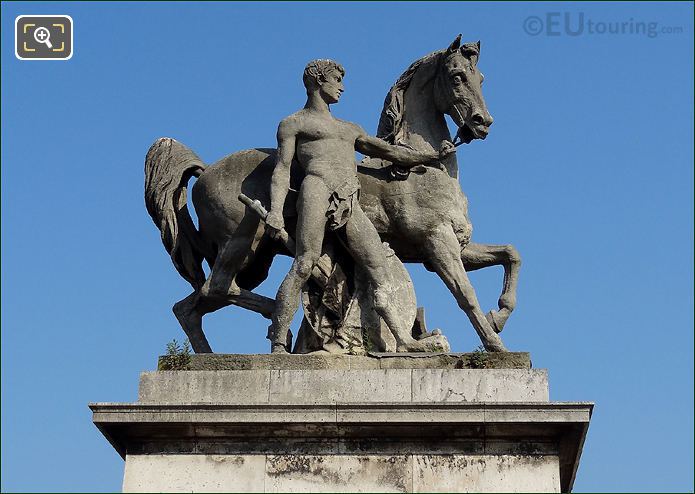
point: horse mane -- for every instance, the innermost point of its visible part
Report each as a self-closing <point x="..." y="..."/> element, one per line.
<point x="391" y="119"/>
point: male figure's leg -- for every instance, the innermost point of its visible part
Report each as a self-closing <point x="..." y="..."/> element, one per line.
<point x="366" y="247"/>
<point x="311" y="223"/>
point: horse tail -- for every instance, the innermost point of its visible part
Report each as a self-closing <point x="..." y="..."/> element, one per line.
<point x="169" y="166"/>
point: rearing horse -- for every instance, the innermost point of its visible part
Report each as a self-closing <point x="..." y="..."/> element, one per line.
<point x="422" y="213"/>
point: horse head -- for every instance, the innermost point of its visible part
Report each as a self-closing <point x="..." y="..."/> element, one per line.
<point x="448" y="80"/>
<point x="458" y="92"/>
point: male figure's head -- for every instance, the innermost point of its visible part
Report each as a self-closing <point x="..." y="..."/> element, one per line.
<point x="324" y="77"/>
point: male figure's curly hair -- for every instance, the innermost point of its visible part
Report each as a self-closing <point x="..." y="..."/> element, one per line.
<point x="319" y="67"/>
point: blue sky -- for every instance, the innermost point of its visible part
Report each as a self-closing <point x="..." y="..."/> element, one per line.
<point x="588" y="171"/>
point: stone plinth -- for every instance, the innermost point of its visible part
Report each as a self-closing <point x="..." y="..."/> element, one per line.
<point x="265" y="426"/>
<point x="279" y="361"/>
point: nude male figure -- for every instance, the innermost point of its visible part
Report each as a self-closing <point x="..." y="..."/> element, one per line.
<point x="325" y="148"/>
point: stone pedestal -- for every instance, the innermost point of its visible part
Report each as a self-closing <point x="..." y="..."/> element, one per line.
<point x="267" y="423"/>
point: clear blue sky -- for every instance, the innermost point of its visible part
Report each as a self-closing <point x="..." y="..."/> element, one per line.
<point x="588" y="170"/>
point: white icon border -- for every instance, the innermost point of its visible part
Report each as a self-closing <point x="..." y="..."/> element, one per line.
<point x="72" y="35"/>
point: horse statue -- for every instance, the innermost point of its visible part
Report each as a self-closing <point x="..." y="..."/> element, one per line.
<point x="420" y="212"/>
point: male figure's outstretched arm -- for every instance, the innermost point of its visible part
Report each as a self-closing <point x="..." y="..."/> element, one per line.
<point x="280" y="181"/>
<point x="378" y="148"/>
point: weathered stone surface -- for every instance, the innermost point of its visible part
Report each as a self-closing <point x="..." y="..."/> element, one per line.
<point x="486" y="473"/>
<point x="358" y="386"/>
<point x="344" y="386"/>
<point x="221" y="361"/>
<point x="204" y="387"/>
<point x="479" y="385"/>
<point x="473" y="360"/>
<point x="194" y="473"/>
<point x="470" y="360"/>
<point x="462" y="447"/>
<point x="408" y="413"/>
<point x="341" y="473"/>
<point x="338" y="473"/>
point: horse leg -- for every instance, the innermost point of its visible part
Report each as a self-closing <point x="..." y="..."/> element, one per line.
<point x="190" y="311"/>
<point x="445" y="259"/>
<point x="191" y="320"/>
<point x="477" y="256"/>
<point x="221" y="290"/>
<point x="237" y="252"/>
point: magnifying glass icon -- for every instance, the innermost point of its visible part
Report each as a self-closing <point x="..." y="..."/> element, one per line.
<point x="43" y="35"/>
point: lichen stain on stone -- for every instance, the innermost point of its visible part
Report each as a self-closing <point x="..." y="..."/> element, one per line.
<point x="282" y="465"/>
<point x="366" y="446"/>
<point x="527" y="448"/>
<point x="395" y="473"/>
<point x="452" y="462"/>
<point x="236" y="460"/>
<point x="506" y="463"/>
<point x="288" y="465"/>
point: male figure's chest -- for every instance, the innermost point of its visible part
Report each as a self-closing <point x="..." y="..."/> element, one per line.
<point x="325" y="129"/>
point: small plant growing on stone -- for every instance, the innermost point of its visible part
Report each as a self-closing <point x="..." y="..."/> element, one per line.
<point x="479" y="358"/>
<point x="178" y="357"/>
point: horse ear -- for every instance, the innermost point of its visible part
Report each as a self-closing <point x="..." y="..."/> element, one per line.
<point x="454" y="46"/>
<point x="471" y="51"/>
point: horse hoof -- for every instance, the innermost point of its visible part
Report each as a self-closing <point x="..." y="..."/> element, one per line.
<point x="434" y="332"/>
<point x="495" y="346"/>
<point x="496" y="320"/>
<point x="278" y="348"/>
<point x="434" y="343"/>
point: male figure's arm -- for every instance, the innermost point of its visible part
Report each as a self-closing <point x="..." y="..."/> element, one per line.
<point x="378" y="148"/>
<point x="280" y="182"/>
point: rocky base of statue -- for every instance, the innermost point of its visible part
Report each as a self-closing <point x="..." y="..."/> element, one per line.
<point x="340" y="316"/>
<point x="327" y="423"/>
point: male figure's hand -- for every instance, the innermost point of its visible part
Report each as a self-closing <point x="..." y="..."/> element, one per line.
<point x="274" y="222"/>
<point x="446" y="149"/>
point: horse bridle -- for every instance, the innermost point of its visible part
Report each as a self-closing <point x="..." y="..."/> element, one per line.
<point x="402" y="173"/>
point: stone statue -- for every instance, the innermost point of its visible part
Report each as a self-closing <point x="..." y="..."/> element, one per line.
<point x="418" y="209"/>
<point x="324" y="147"/>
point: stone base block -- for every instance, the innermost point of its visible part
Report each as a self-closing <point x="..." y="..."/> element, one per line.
<point x="341" y="473"/>
<point x="346" y="430"/>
